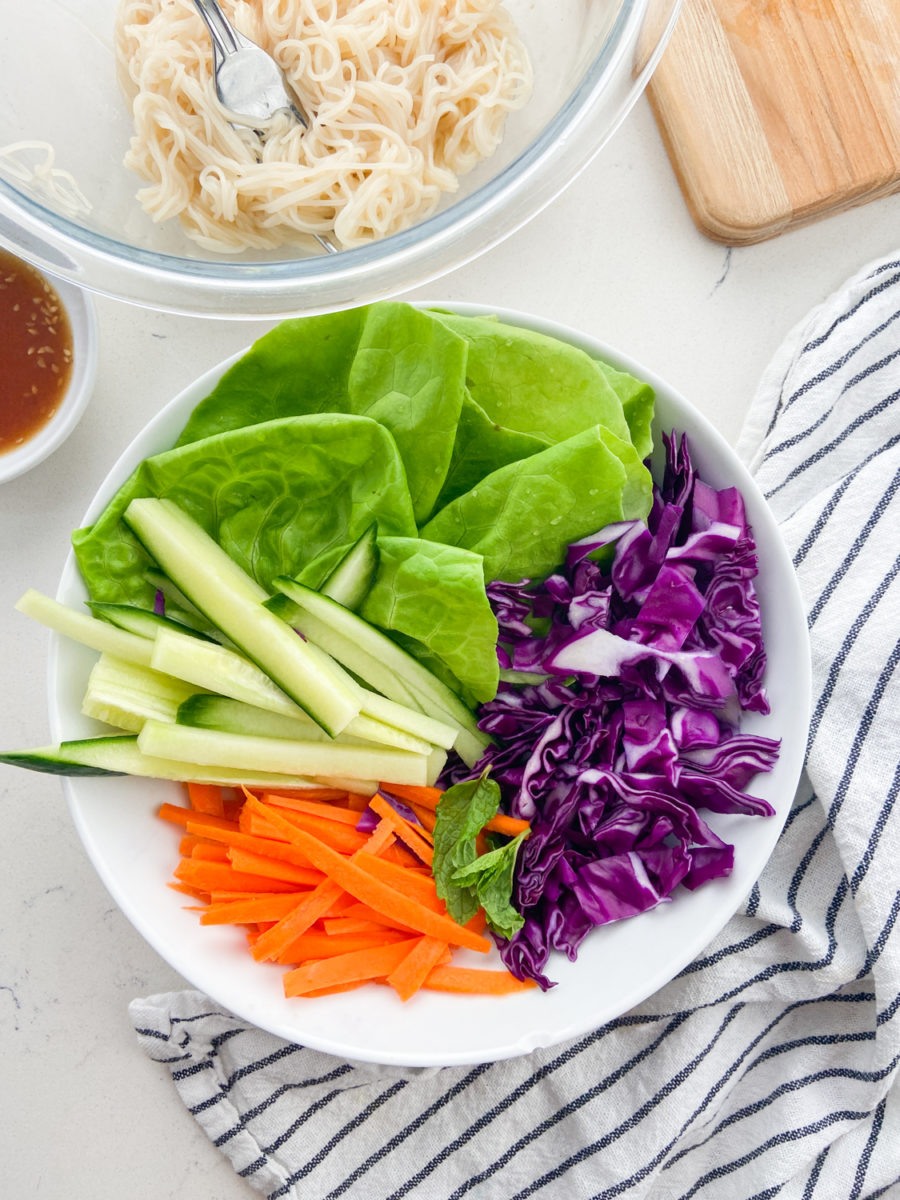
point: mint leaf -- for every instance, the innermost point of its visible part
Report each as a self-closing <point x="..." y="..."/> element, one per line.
<point x="462" y="812"/>
<point x="491" y="875"/>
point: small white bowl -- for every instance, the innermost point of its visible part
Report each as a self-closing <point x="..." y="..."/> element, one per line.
<point x="83" y="322"/>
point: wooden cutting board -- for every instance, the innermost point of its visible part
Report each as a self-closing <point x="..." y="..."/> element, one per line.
<point x="779" y="112"/>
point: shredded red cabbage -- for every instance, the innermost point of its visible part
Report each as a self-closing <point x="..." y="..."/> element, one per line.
<point x="649" y="645"/>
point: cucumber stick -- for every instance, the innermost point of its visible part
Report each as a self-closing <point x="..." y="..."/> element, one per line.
<point x="120" y="755"/>
<point x="126" y="695"/>
<point x="216" y="669"/>
<point x="358" y="645"/>
<point x="227" y="596"/>
<point x="234" y="716"/>
<point x="286" y="756"/>
<point x="141" y="620"/>
<point x="351" y="579"/>
<point x="85" y="629"/>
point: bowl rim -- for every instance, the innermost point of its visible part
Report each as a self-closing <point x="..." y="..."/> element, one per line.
<point x="79" y="308"/>
<point x="537" y="172"/>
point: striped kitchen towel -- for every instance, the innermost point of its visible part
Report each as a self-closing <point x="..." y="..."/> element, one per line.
<point x="769" y="1066"/>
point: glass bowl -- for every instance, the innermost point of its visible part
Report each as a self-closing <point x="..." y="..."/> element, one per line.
<point x="58" y="88"/>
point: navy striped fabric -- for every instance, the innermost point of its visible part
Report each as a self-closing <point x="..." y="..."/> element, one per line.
<point x="769" y="1066"/>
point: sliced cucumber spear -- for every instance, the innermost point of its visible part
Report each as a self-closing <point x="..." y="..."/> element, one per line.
<point x="376" y="659"/>
<point x="233" y="602"/>
<point x="126" y="695"/>
<point x="141" y="621"/>
<point x="282" y="755"/>
<point x="227" y="673"/>
<point x="350" y="581"/>
<point x="87" y="630"/>
<point x="120" y="755"/>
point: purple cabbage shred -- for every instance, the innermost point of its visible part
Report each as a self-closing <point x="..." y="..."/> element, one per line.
<point x="638" y="667"/>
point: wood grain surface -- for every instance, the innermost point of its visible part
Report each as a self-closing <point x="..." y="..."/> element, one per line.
<point x="779" y="112"/>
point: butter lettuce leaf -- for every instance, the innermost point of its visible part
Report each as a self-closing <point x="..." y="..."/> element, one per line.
<point x="391" y="362"/>
<point x="482" y="446"/>
<point x="535" y="384"/>
<point x="638" y="403"/>
<point x="274" y="496"/>
<point x="434" y="596"/>
<point x="522" y="517"/>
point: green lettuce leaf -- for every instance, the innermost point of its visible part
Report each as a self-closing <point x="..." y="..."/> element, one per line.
<point x="535" y="384"/>
<point x="522" y="517"/>
<point x="638" y="402"/>
<point x="482" y="446"/>
<point x="434" y="596"/>
<point x="274" y="495"/>
<point x="391" y="362"/>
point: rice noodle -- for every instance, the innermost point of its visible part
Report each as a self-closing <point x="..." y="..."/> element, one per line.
<point x="404" y="96"/>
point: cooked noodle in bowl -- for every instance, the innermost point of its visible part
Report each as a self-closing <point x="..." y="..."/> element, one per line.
<point x="404" y="97"/>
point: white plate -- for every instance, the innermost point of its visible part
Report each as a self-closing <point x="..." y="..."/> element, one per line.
<point x="618" y="966"/>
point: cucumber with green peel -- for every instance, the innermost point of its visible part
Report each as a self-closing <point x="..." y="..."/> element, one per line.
<point x="121" y="755"/>
<point x="217" y="669"/>
<point x="350" y="581"/>
<point x="141" y="621"/>
<point x="234" y="716"/>
<point x="430" y="729"/>
<point x="366" y="668"/>
<point x="233" y="602"/>
<point x="177" y="605"/>
<point x="226" y="673"/>
<point x="287" y="756"/>
<point x="357" y="644"/>
<point x="126" y="695"/>
<point x="86" y="630"/>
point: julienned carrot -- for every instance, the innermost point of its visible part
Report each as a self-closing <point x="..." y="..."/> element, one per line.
<point x="342" y="915"/>
<point x="428" y="797"/>
<point x="409" y="974"/>
<point x="314" y="945"/>
<point x="256" y="908"/>
<point x="271" y="944"/>
<point x="376" y="963"/>
<point x="206" y="798"/>
<point x="275" y="941"/>
<point x="322" y="807"/>
<point x="474" y="980"/>
<point x="373" y="892"/>
<point x="271" y="847"/>
<point x="418" y="886"/>
<point x="404" y="831"/>
<point x="261" y="864"/>
<point x="214" y="876"/>
<point x="209" y="852"/>
<point x="181" y="816"/>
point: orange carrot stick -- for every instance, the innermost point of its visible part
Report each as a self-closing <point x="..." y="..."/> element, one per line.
<point x="259" y="864"/>
<point x="373" y="891"/>
<point x="206" y="798"/>
<point x="409" y="975"/>
<point x="346" y="968"/>
<point x="404" y="831"/>
<point x="474" y="981"/>
<point x="314" y="945"/>
<point x="323" y="807"/>
<point x="213" y="876"/>
<point x="256" y="908"/>
<point x="275" y="941"/>
<point x="181" y="816"/>
<point x="418" y="886"/>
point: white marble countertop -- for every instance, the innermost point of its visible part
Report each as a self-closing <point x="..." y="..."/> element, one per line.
<point x="83" y="1114"/>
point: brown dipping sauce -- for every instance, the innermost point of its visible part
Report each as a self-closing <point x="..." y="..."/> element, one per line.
<point x="35" y="352"/>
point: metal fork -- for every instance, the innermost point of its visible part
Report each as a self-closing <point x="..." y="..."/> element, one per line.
<point x="251" y="86"/>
